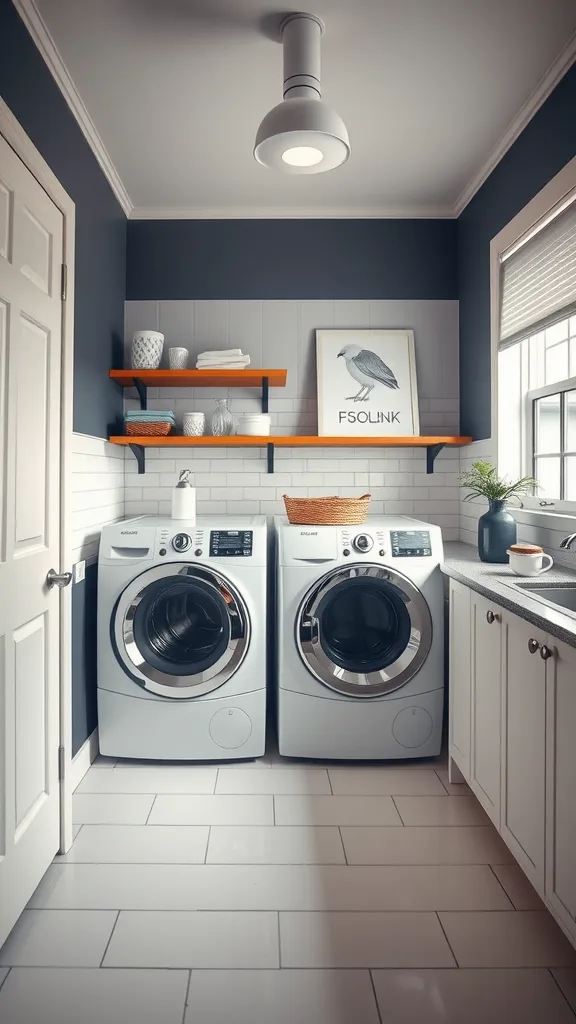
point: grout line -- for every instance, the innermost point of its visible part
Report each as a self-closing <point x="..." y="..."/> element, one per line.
<point x="279" y="942"/>
<point x="563" y="994"/>
<point x="207" y="844"/>
<point x="110" y="938"/>
<point x="403" y="823"/>
<point x="437" y="913"/>
<point x="187" y="996"/>
<point x="375" y="996"/>
<point x="329" y="781"/>
<point x="342" y="842"/>
<point x="273" y="808"/>
<point x="151" y="809"/>
<point x="507" y="894"/>
<point x="442" y="783"/>
<point x="4" y="979"/>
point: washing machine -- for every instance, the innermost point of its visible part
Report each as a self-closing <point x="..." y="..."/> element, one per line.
<point x="182" y="639"/>
<point x="360" y="667"/>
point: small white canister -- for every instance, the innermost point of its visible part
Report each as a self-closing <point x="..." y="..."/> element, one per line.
<point x="254" y="424"/>
<point x="193" y="424"/>
<point x="184" y="499"/>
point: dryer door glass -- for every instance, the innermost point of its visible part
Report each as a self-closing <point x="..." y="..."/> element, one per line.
<point x="364" y="630"/>
<point x="181" y="631"/>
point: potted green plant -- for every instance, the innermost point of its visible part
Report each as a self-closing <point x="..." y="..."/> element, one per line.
<point x="496" y="528"/>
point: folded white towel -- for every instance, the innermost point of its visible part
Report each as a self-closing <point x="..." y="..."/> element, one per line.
<point x="225" y="353"/>
<point x="231" y="364"/>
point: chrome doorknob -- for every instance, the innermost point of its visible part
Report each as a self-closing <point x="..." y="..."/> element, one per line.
<point x="533" y="645"/>
<point x="58" y="579"/>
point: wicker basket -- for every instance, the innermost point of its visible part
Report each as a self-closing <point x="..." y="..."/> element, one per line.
<point x="327" y="511"/>
<point x="148" y="429"/>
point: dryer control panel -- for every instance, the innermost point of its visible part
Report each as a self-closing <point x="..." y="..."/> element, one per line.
<point x="410" y="543"/>
<point x="230" y="543"/>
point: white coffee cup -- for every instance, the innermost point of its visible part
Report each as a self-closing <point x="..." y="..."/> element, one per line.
<point x="529" y="560"/>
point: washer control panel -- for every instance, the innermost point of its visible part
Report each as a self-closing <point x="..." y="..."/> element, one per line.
<point x="370" y="542"/>
<point x="410" y="543"/>
<point x="231" y="543"/>
<point x="181" y="542"/>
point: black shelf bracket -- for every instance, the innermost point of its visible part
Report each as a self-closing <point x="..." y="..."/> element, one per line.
<point x="270" y="456"/>
<point x="139" y="452"/>
<point x="431" y="452"/>
<point x="142" y="392"/>
<point x="265" y="393"/>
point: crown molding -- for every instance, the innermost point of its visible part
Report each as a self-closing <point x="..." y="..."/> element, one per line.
<point x="540" y="94"/>
<point x="294" y="213"/>
<point x="38" y="30"/>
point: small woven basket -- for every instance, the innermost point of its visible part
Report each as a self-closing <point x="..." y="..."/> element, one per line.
<point x="150" y="429"/>
<point x="331" y="511"/>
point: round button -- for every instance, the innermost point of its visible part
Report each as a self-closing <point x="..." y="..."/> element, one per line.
<point x="162" y="551"/>
<point x="181" y="542"/>
<point x="362" y="542"/>
<point x="346" y="551"/>
<point x="198" y="552"/>
<point x="381" y="552"/>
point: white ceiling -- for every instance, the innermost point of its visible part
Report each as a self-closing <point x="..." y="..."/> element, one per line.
<point x="427" y="89"/>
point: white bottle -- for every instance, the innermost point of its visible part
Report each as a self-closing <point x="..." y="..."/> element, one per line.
<point x="184" y="499"/>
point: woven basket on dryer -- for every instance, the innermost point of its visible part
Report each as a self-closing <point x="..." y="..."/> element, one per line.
<point x="136" y="428"/>
<point x="331" y="511"/>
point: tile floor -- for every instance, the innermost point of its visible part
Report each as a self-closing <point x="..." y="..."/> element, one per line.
<point x="285" y="893"/>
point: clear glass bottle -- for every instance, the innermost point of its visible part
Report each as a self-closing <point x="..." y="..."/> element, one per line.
<point x="222" y="419"/>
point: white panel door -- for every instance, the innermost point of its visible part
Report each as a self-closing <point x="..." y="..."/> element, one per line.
<point x="561" y="783"/>
<point x="486" y="704"/>
<point x="524" y="745"/>
<point x="460" y="681"/>
<point x="31" y="238"/>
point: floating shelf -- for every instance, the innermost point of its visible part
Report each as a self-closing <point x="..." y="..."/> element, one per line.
<point x="433" y="445"/>
<point x="248" y="378"/>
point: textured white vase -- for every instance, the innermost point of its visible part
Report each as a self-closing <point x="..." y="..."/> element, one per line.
<point x="147" y="350"/>
<point x="193" y="424"/>
<point x="177" y="358"/>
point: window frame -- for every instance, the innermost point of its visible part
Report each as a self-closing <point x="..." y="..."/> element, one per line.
<point x="530" y="398"/>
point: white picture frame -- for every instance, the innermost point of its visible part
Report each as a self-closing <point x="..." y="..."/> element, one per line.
<point x="367" y="383"/>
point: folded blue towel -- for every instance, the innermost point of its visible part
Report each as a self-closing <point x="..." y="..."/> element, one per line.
<point x="149" y="414"/>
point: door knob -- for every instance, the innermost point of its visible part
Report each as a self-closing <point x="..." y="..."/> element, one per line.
<point x="58" y="579"/>
<point x="491" y="617"/>
<point x="533" y="645"/>
<point x="546" y="652"/>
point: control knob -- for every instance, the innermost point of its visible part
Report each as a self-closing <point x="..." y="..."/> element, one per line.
<point x="181" y="542"/>
<point x="362" y="542"/>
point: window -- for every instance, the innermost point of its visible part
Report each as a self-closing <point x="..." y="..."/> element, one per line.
<point x="536" y="362"/>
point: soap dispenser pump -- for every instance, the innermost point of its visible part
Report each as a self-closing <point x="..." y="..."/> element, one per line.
<point x="184" y="499"/>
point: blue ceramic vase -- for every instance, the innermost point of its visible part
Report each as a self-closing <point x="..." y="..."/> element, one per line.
<point x="496" y="532"/>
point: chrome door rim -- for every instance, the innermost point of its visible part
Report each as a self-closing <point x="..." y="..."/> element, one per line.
<point x="165" y="684"/>
<point x="369" y="684"/>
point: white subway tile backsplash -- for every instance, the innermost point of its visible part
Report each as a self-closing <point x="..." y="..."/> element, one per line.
<point x="97" y="484"/>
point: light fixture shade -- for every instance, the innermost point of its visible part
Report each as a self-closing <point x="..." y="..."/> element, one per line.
<point x="302" y="122"/>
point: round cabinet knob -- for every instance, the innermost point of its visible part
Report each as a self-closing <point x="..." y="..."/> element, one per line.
<point x="491" y="617"/>
<point x="546" y="652"/>
<point x="533" y="645"/>
<point x="181" y="542"/>
<point x="363" y="542"/>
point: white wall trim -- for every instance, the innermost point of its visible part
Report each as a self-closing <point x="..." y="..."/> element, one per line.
<point x="540" y="94"/>
<point x="37" y="28"/>
<point x="82" y="761"/>
<point x="292" y="213"/>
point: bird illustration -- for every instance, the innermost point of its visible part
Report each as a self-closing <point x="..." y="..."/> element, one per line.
<point x="365" y="367"/>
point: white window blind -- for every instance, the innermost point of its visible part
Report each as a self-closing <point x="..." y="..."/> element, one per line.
<point x="539" y="279"/>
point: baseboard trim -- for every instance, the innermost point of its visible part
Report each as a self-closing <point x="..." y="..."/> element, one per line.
<point x="84" y="758"/>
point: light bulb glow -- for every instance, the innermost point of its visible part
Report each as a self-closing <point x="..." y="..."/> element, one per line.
<point x="302" y="156"/>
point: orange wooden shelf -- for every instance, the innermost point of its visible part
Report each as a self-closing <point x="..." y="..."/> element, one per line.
<point x="248" y="378"/>
<point x="287" y="441"/>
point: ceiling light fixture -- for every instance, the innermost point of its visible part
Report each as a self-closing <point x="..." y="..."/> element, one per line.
<point x="302" y="135"/>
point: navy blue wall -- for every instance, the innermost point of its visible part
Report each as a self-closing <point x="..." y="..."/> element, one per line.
<point x="292" y="259"/>
<point x="547" y="143"/>
<point x="28" y="88"/>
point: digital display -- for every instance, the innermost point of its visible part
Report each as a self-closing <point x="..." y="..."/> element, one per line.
<point x="231" y="543"/>
<point x="406" y="543"/>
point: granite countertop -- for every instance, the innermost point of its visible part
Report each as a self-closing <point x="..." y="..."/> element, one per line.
<point x="461" y="563"/>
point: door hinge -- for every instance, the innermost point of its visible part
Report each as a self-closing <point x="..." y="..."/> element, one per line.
<point x="61" y="760"/>
<point x="64" y="283"/>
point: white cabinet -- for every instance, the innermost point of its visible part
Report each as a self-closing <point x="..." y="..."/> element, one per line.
<point x="459" y="675"/>
<point x="561" y="784"/>
<point x="486" y="703"/>
<point x="524" y="745"/>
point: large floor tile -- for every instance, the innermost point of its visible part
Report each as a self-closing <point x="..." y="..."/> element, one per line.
<point x="336" y="810"/>
<point x="385" y="782"/>
<point x="58" y="938"/>
<point x="44" y="996"/>
<point x="469" y="997"/>
<point x="528" y="938"/>
<point x="437" y="810"/>
<point x="269" y="887"/>
<point x="273" y="844"/>
<point x="454" y="789"/>
<point x="363" y="940"/>
<point x="519" y="889"/>
<point x="273" y="780"/>
<point x="194" y="939"/>
<point x="111" y="808"/>
<point x="144" y="844"/>
<point x="212" y="810"/>
<point x="424" y="845"/>
<point x="154" y="780"/>
<point x="281" y="997"/>
<point x="566" y="979"/>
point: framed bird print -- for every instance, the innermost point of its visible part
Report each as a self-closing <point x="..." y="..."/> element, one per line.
<point x="367" y="383"/>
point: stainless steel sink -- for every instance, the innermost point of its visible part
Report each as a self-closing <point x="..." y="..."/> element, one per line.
<point x="559" y="595"/>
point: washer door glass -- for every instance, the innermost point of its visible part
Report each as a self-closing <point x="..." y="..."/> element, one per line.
<point x="181" y="630"/>
<point x="364" y="630"/>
